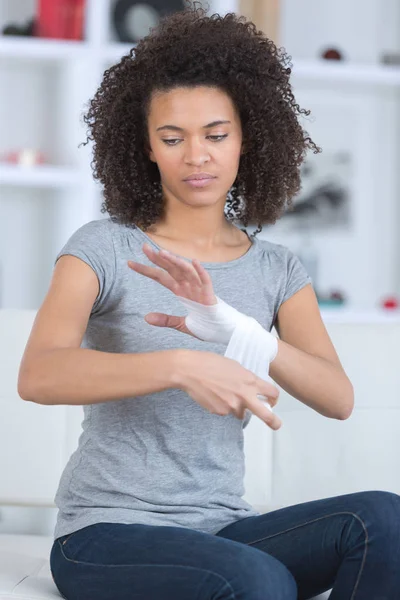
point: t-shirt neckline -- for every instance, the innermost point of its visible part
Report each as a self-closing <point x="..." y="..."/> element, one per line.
<point x="210" y="265"/>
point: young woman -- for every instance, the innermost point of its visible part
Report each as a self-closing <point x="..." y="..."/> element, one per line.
<point x="196" y="128"/>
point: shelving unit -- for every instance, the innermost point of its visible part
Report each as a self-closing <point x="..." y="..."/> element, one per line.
<point x="325" y="71"/>
<point x="71" y="72"/>
<point x="38" y="49"/>
<point x="346" y="315"/>
<point x="329" y="72"/>
<point x="47" y="176"/>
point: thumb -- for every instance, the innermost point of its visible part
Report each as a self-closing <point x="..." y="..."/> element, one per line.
<point x="163" y="320"/>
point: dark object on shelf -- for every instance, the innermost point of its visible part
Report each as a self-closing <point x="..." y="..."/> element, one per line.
<point x="335" y="298"/>
<point x="14" y="29"/>
<point x="330" y="194"/>
<point x="332" y="54"/>
<point x="130" y="29"/>
<point x="60" y="19"/>
<point x="337" y="295"/>
<point x="391" y="58"/>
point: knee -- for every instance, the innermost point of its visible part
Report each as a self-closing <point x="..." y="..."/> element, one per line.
<point x="266" y="577"/>
<point x="380" y="511"/>
<point x="287" y="586"/>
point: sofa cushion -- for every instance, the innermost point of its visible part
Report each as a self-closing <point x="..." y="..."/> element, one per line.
<point x="25" y="568"/>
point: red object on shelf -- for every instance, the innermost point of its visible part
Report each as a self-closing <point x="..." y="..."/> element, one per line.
<point x="60" y="19"/>
<point x="24" y="156"/>
<point x="391" y="302"/>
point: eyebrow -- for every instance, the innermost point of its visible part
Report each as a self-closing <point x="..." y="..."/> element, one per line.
<point x="176" y="128"/>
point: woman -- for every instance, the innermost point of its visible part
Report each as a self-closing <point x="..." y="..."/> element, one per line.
<point x="150" y="503"/>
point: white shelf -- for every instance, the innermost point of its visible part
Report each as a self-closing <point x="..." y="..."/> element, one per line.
<point x="48" y="50"/>
<point x="329" y="71"/>
<point x="325" y="71"/>
<point x="346" y="315"/>
<point x="48" y="176"/>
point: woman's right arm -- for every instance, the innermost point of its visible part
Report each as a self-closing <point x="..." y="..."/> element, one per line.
<point x="56" y="370"/>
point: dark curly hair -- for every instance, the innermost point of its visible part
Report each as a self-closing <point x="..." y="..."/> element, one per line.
<point x="187" y="49"/>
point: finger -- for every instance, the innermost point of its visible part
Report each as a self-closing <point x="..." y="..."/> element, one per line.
<point x="202" y="273"/>
<point x="158" y="275"/>
<point x="155" y="257"/>
<point x="264" y="413"/>
<point x="180" y="269"/>
<point x="271" y="401"/>
<point x="163" y="320"/>
<point x="267" y="389"/>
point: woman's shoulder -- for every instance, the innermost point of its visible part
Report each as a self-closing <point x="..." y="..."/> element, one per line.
<point x="107" y="227"/>
<point x="285" y="268"/>
<point x="98" y="225"/>
<point x="274" y="252"/>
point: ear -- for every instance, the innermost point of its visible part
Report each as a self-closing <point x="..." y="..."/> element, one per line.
<point x="150" y="154"/>
<point x="148" y="151"/>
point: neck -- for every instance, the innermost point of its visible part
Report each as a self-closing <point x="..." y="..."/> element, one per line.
<point x="203" y="227"/>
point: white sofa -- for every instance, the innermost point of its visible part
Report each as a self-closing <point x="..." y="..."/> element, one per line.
<point x="310" y="457"/>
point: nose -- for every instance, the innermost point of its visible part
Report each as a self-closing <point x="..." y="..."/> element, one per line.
<point x="196" y="152"/>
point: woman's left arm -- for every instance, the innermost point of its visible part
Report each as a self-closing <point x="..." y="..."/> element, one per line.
<point x="307" y="365"/>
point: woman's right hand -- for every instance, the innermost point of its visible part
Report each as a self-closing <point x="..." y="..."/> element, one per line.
<point x="223" y="386"/>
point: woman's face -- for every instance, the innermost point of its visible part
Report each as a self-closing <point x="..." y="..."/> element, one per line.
<point x="194" y="130"/>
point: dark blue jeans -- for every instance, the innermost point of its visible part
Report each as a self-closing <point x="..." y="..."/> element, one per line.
<point x="350" y="543"/>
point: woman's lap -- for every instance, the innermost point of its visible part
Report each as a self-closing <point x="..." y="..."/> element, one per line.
<point x="350" y="543"/>
<point x="135" y="562"/>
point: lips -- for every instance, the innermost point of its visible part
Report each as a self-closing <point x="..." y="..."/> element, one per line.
<point x="199" y="183"/>
<point x="199" y="177"/>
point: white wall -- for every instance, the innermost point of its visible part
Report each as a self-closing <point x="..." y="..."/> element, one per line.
<point x="363" y="261"/>
<point x="363" y="29"/>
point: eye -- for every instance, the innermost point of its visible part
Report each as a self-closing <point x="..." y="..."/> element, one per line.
<point x="169" y="142"/>
<point x="218" y="138"/>
<point x="214" y="138"/>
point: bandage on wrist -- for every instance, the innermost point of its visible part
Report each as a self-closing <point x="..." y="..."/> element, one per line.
<point x="212" y="323"/>
<point x="247" y="341"/>
<point x="254" y="348"/>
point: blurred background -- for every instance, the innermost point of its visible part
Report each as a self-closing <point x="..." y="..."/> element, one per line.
<point x="344" y="226"/>
<point x="346" y="70"/>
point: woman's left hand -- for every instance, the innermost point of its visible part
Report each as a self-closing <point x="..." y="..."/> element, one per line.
<point x="188" y="280"/>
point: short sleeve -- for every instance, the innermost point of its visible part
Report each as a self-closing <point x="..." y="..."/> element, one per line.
<point x="93" y="243"/>
<point x="296" y="275"/>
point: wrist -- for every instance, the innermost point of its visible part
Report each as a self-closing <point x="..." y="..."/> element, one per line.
<point x="212" y="323"/>
<point x="274" y="362"/>
<point x="179" y="367"/>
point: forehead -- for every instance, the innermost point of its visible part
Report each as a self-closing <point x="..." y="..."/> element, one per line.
<point x="193" y="106"/>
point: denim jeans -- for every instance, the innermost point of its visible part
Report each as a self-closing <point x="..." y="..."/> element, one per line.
<point x="349" y="543"/>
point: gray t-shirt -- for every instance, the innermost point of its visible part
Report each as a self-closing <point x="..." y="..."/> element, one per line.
<point x="162" y="459"/>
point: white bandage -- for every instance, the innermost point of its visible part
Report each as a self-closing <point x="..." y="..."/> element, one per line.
<point x="247" y="341"/>
<point x="212" y="323"/>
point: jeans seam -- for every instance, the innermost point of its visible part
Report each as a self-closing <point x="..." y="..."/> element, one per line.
<point x="78" y="562"/>
<point x="320" y="519"/>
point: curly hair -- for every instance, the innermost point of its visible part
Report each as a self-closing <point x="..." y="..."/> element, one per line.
<point x="188" y="49"/>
